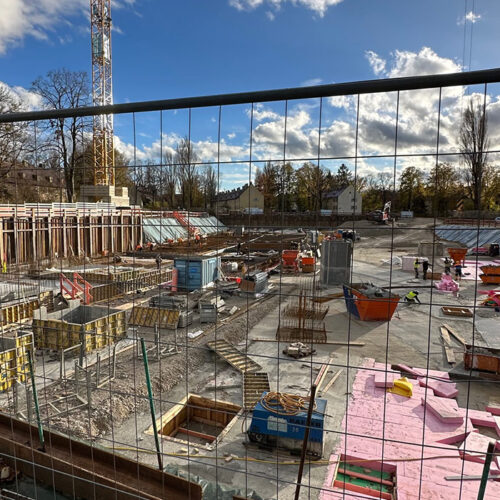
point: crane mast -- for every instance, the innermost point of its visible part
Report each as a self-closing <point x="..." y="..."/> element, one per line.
<point x="102" y="92"/>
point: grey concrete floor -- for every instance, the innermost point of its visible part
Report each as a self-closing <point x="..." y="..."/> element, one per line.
<point x="412" y="337"/>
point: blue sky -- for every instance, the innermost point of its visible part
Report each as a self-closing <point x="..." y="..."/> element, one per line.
<point x="164" y="49"/>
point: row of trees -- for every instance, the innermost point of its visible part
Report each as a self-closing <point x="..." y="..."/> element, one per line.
<point x="65" y="145"/>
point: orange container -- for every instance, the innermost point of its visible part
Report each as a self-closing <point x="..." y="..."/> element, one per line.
<point x="369" y="308"/>
<point x="289" y="257"/>
<point x="491" y="270"/>
<point x="458" y="254"/>
<point x="493" y="279"/>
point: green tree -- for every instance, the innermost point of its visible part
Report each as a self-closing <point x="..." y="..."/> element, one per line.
<point x="267" y="182"/>
<point x="443" y="189"/>
<point x="474" y="143"/>
<point x="343" y="177"/>
<point x="411" y="189"/>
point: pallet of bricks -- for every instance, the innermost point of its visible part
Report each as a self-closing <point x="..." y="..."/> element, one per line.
<point x="14" y="347"/>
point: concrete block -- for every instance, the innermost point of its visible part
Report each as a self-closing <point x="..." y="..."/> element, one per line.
<point x="441" y="389"/>
<point x="446" y="410"/>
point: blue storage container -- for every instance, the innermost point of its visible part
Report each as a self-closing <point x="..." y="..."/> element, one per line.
<point x="196" y="272"/>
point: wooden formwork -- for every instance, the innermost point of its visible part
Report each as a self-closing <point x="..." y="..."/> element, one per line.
<point x="38" y="232"/>
<point x="57" y="334"/>
<point x="14" y="358"/>
<point x="117" y="288"/>
<point x="193" y="410"/>
<point x="151" y="316"/>
<point x="23" y="310"/>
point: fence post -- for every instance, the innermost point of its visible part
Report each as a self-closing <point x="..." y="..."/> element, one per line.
<point x="151" y="403"/>
<point x="35" y="398"/>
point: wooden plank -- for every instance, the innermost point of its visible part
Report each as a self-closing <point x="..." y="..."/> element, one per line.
<point x="327" y="298"/>
<point x="200" y="435"/>
<point x="445" y="335"/>
<point x="352" y="344"/>
<point x="332" y="381"/>
<point x="455" y="334"/>
<point x="450" y="355"/>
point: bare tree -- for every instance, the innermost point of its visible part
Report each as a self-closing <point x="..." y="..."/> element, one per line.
<point x="65" y="89"/>
<point x="14" y="138"/>
<point x="473" y="148"/>
<point x="170" y="180"/>
<point x="185" y="158"/>
<point x="209" y="185"/>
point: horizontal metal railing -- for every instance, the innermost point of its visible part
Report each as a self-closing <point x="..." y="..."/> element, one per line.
<point x="317" y="91"/>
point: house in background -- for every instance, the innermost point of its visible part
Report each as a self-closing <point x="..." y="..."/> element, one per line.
<point x="344" y="201"/>
<point x="21" y="182"/>
<point x="247" y="197"/>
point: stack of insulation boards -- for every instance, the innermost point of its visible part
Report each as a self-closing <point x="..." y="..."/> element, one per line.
<point x="14" y="347"/>
<point x="95" y="326"/>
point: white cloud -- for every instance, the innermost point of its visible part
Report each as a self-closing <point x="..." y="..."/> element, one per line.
<point x="27" y="100"/>
<point x="311" y="82"/>
<point x="470" y="17"/>
<point x="376" y="62"/>
<point x="40" y="18"/>
<point x="319" y="7"/>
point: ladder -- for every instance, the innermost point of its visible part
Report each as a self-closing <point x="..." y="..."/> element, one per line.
<point x="78" y="288"/>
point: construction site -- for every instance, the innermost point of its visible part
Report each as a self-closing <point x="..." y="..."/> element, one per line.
<point x="200" y="353"/>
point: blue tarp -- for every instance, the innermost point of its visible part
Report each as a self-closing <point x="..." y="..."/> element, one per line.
<point x="469" y="236"/>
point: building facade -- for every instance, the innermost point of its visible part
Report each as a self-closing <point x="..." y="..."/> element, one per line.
<point x="344" y="201"/>
<point x="243" y="198"/>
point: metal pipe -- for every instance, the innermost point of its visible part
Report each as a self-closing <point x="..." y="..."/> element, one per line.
<point x="486" y="471"/>
<point x="317" y="91"/>
<point x="306" y="440"/>
<point x="35" y="399"/>
<point x="151" y="403"/>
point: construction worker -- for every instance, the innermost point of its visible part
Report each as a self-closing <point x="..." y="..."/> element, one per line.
<point x="458" y="270"/>
<point x="197" y="238"/>
<point x="4" y="266"/>
<point x="238" y="248"/>
<point x="412" y="297"/>
<point x="158" y="261"/>
<point x="447" y="265"/>
<point x="425" y="268"/>
<point x="416" y="265"/>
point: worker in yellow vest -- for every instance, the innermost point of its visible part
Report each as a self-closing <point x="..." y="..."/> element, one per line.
<point x="416" y="265"/>
<point x="412" y="297"/>
<point x="4" y="266"/>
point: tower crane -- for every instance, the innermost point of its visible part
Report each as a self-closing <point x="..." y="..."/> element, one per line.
<point x="102" y="92"/>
